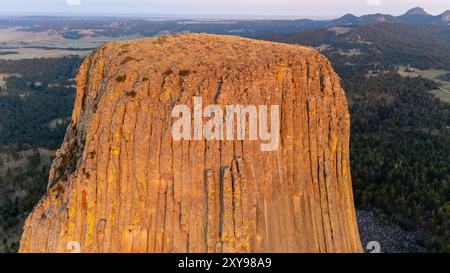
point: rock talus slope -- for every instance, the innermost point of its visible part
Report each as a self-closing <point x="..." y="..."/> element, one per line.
<point x="120" y="183"/>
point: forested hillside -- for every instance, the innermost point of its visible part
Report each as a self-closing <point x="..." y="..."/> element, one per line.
<point x="380" y="45"/>
<point x="35" y="105"/>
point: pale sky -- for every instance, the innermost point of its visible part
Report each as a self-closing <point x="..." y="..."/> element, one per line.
<point x="282" y="8"/>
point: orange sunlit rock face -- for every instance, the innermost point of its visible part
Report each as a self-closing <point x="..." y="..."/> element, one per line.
<point x="121" y="183"/>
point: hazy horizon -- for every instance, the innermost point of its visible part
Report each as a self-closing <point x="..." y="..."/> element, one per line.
<point x="290" y="9"/>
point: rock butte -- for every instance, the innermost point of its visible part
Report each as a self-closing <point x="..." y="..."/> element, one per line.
<point x="120" y="183"/>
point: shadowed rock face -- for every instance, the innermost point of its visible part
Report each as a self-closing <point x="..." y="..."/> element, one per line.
<point x="120" y="183"/>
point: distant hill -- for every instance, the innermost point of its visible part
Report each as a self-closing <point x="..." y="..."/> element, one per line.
<point x="418" y="11"/>
<point x="416" y="16"/>
<point x="350" y="19"/>
<point x="74" y="27"/>
<point x="444" y="18"/>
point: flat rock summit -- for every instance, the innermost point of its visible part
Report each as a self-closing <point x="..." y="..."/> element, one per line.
<point x="121" y="183"/>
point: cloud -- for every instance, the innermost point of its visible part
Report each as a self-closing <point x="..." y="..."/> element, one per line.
<point x="73" y="2"/>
